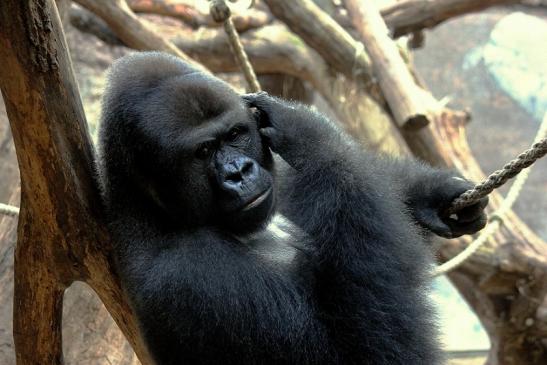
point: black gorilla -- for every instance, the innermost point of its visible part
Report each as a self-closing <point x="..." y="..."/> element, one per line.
<point x="190" y="186"/>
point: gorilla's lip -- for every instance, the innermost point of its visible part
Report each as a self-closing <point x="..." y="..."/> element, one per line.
<point x="255" y="202"/>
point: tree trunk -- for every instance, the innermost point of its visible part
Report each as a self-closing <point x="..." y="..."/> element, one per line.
<point x="61" y="234"/>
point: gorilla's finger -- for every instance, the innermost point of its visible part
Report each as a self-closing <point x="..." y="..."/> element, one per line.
<point x="469" y="214"/>
<point x="469" y="228"/>
<point x="457" y="186"/>
<point x="268" y="132"/>
<point x="269" y="135"/>
<point x="431" y="220"/>
<point x="259" y="100"/>
<point x="484" y="202"/>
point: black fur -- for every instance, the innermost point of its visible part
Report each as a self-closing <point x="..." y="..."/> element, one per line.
<point x="205" y="277"/>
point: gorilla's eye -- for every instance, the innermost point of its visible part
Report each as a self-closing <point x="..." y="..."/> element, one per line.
<point x="205" y="149"/>
<point x="235" y="132"/>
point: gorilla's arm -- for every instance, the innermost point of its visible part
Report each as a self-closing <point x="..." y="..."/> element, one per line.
<point x="370" y="270"/>
<point x="427" y="192"/>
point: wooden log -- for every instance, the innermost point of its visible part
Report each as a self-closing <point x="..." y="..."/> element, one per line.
<point x="325" y="36"/>
<point x="409" y="16"/>
<point x="410" y="105"/>
<point x="87" y="22"/>
<point x="61" y="234"/>
<point x="184" y="11"/>
<point x="134" y="32"/>
<point x="187" y="12"/>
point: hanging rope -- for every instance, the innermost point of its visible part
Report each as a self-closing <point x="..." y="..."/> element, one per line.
<point x="500" y="177"/>
<point x="9" y="210"/>
<point x="512" y="195"/>
<point x="221" y="14"/>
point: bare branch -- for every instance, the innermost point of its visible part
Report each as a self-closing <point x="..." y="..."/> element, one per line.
<point x="134" y="32"/>
<point x="409" y="103"/>
<point x="325" y="36"/>
<point x="412" y="15"/>
<point x="190" y="15"/>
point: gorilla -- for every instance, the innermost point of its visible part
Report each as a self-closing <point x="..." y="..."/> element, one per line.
<point x="252" y="230"/>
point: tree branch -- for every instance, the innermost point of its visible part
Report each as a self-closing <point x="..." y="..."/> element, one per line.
<point x="325" y="36"/>
<point x="134" y="32"/>
<point x="187" y="13"/>
<point x="62" y="234"/>
<point x="413" y="15"/>
<point x="410" y="104"/>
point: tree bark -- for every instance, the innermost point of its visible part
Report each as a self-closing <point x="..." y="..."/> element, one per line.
<point x="61" y="234"/>
<point x="286" y="87"/>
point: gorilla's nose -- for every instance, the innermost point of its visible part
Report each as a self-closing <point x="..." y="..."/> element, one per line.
<point x="238" y="173"/>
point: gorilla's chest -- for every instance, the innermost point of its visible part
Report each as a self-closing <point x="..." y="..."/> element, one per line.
<point x="280" y="243"/>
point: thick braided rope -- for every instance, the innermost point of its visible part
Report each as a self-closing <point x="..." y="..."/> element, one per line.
<point x="500" y="177"/>
<point x="497" y="217"/>
<point x="221" y="14"/>
<point x="9" y="210"/>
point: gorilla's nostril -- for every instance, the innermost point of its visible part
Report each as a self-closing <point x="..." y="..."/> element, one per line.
<point x="233" y="177"/>
<point x="247" y="167"/>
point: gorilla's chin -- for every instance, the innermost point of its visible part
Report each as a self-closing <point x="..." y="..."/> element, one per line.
<point x="252" y="216"/>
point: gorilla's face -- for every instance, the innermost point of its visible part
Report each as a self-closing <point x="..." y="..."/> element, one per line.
<point x="209" y="165"/>
<point x="230" y="154"/>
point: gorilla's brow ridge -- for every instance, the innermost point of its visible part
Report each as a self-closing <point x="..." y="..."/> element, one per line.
<point x="213" y="129"/>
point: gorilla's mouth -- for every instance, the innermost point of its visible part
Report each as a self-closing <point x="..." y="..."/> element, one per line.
<point x="256" y="201"/>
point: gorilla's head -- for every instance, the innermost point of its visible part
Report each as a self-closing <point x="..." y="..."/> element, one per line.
<point x="189" y="145"/>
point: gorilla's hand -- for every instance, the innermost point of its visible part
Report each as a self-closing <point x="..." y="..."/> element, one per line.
<point x="430" y="208"/>
<point x="291" y="130"/>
